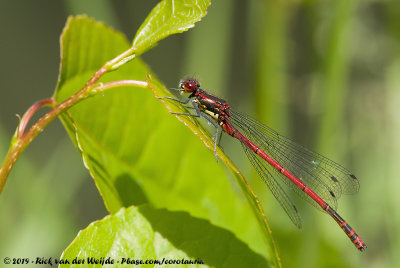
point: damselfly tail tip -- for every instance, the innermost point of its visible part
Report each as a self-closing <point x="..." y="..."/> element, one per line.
<point x="360" y="244"/>
<point x="363" y="247"/>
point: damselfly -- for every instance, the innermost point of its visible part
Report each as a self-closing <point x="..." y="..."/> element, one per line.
<point x="277" y="159"/>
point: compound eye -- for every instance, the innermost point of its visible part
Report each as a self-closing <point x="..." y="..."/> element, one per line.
<point x="190" y="86"/>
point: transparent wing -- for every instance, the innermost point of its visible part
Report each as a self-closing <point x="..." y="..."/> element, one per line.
<point x="280" y="195"/>
<point x="325" y="177"/>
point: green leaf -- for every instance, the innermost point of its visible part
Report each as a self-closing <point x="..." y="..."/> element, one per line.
<point x="199" y="131"/>
<point x="138" y="153"/>
<point x="144" y="233"/>
<point x="84" y="58"/>
<point x="168" y="17"/>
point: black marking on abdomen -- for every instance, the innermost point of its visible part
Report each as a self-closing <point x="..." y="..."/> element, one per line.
<point x="234" y="132"/>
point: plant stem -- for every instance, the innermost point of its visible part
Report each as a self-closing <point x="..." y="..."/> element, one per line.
<point x="21" y="140"/>
<point x="30" y="112"/>
<point x="120" y="83"/>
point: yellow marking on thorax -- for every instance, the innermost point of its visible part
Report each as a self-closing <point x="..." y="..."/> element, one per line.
<point x="213" y="115"/>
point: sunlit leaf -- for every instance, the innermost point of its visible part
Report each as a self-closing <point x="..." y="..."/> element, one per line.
<point x="78" y="57"/>
<point x="147" y="234"/>
<point x="139" y="153"/>
<point x="168" y="17"/>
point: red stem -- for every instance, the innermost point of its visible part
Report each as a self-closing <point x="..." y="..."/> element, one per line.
<point x="30" y="112"/>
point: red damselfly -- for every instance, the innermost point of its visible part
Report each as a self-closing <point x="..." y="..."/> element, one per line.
<point x="311" y="175"/>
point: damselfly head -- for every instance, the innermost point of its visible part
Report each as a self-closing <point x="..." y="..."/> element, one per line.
<point x="189" y="85"/>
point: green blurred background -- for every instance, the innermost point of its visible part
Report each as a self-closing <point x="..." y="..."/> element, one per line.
<point x="324" y="73"/>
